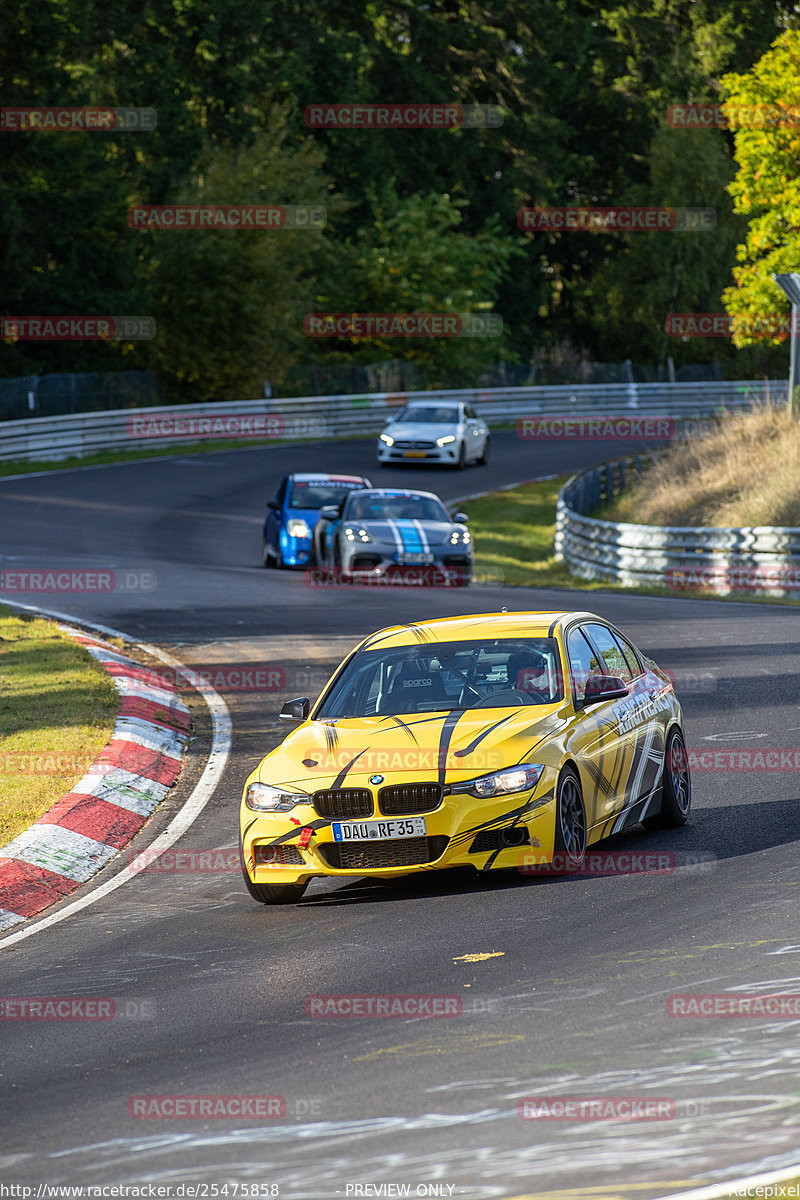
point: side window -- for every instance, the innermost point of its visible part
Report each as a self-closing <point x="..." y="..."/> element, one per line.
<point x="611" y="651"/>
<point x="583" y="662"/>
<point x="281" y="493"/>
<point x="630" y="655"/>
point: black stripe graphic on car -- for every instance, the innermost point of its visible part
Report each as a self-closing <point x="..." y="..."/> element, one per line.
<point x="477" y="740"/>
<point x="448" y="727"/>
<point x="340" y="778"/>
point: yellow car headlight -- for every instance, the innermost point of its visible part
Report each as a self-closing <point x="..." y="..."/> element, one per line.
<point x="263" y="797"/>
<point x="501" y="783"/>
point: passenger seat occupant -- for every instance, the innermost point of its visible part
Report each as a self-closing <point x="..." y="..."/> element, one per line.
<point x="526" y="671"/>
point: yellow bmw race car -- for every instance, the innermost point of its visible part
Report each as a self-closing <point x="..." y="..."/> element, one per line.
<point x="485" y="741"/>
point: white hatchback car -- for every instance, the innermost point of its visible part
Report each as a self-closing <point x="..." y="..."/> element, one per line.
<point x="441" y="431"/>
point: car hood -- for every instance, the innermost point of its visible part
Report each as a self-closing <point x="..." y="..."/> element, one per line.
<point x="446" y="746"/>
<point x="405" y="533"/>
<point x="424" y="431"/>
<point x="309" y="515"/>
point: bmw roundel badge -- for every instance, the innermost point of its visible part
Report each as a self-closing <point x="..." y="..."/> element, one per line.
<point x="376" y="779"/>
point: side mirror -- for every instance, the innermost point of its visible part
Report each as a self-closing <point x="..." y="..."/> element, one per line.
<point x="463" y="517"/>
<point x="604" y="687"/>
<point x="329" y="512"/>
<point x="295" y="710"/>
<point x="273" y="504"/>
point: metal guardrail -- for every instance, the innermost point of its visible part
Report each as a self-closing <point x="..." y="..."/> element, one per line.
<point x="321" y="417"/>
<point x="761" y="560"/>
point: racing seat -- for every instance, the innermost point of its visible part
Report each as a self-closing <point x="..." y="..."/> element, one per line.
<point x="411" y="684"/>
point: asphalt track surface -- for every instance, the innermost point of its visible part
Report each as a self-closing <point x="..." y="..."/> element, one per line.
<point x="210" y="986"/>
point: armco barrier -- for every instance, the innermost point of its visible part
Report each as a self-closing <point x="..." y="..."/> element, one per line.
<point x="323" y="417"/>
<point x="760" y="560"/>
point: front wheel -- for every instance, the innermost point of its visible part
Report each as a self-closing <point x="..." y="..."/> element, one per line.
<point x="570" y="818"/>
<point x="484" y="458"/>
<point x="462" y="458"/>
<point x="676" y="787"/>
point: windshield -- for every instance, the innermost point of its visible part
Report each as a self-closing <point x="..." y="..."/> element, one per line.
<point x="372" y="506"/>
<point x="440" y="414"/>
<point x="316" y="493"/>
<point x="440" y="677"/>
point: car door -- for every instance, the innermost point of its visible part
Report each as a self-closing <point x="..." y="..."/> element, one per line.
<point x="640" y="719"/>
<point x="603" y="754"/>
<point x="473" y="436"/>
<point x="275" y="516"/>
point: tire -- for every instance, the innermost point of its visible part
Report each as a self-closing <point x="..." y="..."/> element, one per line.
<point x="570" y="839"/>
<point x="484" y="458"/>
<point x="265" y="556"/>
<point x="271" y="893"/>
<point x="462" y="458"/>
<point x="676" y="788"/>
<point x="279" y="563"/>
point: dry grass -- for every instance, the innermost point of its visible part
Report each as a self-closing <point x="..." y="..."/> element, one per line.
<point x="744" y="471"/>
<point x="57" y="709"/>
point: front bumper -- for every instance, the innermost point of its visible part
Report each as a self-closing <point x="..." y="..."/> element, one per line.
<point x="373" y="562"/>
<point x="462" y="831"/>
<point x="433" y="454"/>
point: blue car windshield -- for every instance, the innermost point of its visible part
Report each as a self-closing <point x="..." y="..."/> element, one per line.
<point x="370" y="506"/>
<point x="310" y="494"/>
<point x="447" y="676"/>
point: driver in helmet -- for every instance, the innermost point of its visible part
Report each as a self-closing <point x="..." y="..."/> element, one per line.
<point x="526" y="671"/>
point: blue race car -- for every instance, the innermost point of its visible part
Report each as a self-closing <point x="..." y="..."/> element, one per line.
<point x="288" y="529"/>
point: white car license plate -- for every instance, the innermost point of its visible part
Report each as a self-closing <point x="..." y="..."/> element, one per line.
<point x="361" y="831"/>
<point x="404" y="559"/>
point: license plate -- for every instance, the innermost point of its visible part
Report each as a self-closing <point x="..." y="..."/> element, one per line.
<point x="413" y="454"/>
<point x="403" y="559"/>
<point x="362" y="831"/>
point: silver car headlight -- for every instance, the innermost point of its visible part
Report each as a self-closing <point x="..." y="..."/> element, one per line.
<point x="357" y="535"/>
<point x="387" y="439"/>
<point x="445" y="441"/>
<point x="460" y="537"/>
<point x="501" y="783"/>
<point x="297" y="527"/>
<point x="263" y="797"/>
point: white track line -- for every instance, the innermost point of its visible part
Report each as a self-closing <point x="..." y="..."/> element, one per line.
<point x="202" y="793"/>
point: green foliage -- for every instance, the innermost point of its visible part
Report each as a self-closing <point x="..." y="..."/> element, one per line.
<point x="767" y="186"/>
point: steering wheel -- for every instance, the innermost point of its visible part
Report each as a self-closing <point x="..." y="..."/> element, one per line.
<point x="510" y="698"/>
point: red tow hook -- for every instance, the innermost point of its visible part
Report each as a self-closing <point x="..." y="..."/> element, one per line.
<point x="305" y="836"/>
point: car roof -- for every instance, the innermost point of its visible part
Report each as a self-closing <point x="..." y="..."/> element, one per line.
<point x="324" y="476"/>
<point x="475" y="627"/>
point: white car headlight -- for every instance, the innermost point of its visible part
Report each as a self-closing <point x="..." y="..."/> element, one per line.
<point x="460" y="537"/>
<point x="263" y="797"/>
<point x="297" y="527"/>
<point x="387" y="440"/>
<point x="444" y="441"/>
<point x="500" y="783"/>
